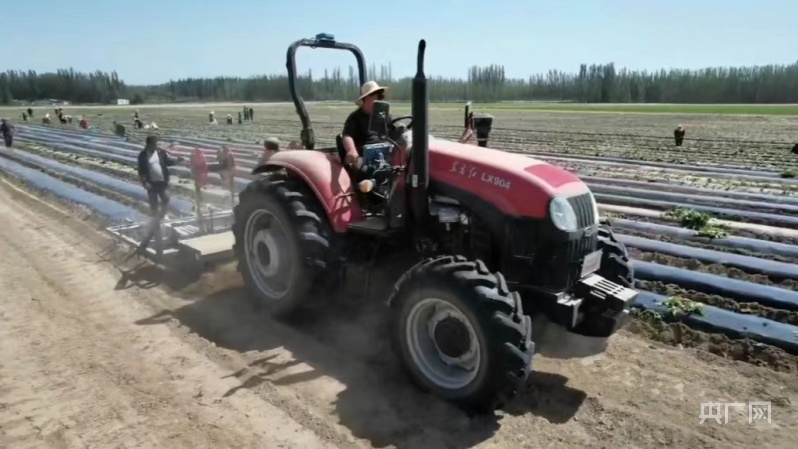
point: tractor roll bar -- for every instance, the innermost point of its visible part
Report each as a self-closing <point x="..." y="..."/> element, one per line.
<point x="320" y="41"/>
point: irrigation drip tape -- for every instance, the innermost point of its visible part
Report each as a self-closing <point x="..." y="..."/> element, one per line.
<point x="778" y="270"/>
<point x="717" y="211"/>
<point x="742" y="243"/>
<point x="712" y="284"/>
<point x="735" y="325"/>
<point x="118" y="213"/>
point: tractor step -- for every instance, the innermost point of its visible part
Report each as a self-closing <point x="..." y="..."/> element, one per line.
<point x="375" y="226"/>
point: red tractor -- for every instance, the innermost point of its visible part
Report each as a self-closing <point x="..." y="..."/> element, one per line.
<point x="498" y="239"/>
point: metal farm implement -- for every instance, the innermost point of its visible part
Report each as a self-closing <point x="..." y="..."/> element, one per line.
<point x="190" y="241"/>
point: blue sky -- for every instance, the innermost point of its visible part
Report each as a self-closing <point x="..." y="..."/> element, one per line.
<point x="149" y="41"/>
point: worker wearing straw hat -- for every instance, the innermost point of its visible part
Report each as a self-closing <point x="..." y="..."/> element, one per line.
<point x="356" y="128"/>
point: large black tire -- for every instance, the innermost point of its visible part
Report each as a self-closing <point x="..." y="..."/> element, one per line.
<point x="615" y="266"/>
<point x="306" y="245"/>
<point x="497" y="320"/>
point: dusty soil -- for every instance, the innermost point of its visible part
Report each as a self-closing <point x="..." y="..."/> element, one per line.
<point x="93" y="356"/>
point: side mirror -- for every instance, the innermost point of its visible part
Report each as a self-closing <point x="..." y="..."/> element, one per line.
<point x="378" y="122"/>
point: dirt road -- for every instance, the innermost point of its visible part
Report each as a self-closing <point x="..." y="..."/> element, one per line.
<point x="92" y="358"/>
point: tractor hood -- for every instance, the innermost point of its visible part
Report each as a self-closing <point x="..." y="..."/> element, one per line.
<point x="516" y="184"/>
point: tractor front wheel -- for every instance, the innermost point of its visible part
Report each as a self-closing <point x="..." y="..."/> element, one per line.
<point x="282" y="242"/>
<point x="460" y="333"/>
<point x="615" y="266"/>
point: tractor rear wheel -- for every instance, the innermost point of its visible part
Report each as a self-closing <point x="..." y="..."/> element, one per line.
<point x="615" y="266"/>
<point x="282" y="242"/>
<point x="460" y="333"/>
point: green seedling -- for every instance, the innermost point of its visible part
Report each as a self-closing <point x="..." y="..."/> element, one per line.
<point x="712" y="232"/>
<point x="701" y="222"/>
<point x="679" y="306"/>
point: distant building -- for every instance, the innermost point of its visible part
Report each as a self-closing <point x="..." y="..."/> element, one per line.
<point x="122" y="101"/>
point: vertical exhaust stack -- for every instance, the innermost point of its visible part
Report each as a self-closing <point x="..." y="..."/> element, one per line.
<point x="420" y="152"/>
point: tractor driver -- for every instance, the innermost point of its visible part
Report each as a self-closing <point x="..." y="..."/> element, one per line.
<point x="356" y="129"/>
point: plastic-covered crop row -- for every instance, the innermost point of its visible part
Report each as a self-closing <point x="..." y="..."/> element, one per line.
<point x="123" y="157"/>
<point x="115" y="211"/>
<point x="595" y="181"/>
<point x="665" y="165"/>
<point x="244" y="158"/>
<point x="694" y="199"/>
<point x="735" y="325"/>
<point x="741" y="243"/>
<point x="751" y="216"/>
<point x="778" y="270"/>
<point x="125" y="188"/>
<point x="207" y="147"/>
<point x="712" y="284"/>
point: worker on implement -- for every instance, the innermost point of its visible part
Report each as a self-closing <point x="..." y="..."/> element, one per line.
<point x="153" y="163"/>
<point x="356" y="128"/>
<point x="271" y="145"/>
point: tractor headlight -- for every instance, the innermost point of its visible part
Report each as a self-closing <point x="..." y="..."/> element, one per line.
<point x="562" y="214"/>
<point x="595" y="207"/>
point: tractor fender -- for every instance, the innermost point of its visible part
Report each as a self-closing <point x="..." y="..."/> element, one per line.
<point x="326" y="177"/>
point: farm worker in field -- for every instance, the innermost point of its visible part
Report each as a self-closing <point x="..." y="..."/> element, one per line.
<point x="7" y="129"/>
<point x="270" y="146"/>
<point x="46" y="119"/>
<point x="239" y="117"/>
<point x="678" y="135"/>
<point x="469" y="137"/>
<point x="153" y="171"/>
<point x="30" y="112"/>
<point x="211" y="118"/>
<point x="229" y="119"/>
<point x="246" y="113"/>
<point x="119" y="129"/>
<point x="226" y="166"/>
<point x="136" y="114"/>
<point x="24" y="116"/>
<point x="356" y="128"/>
<point x="251" y="114"/>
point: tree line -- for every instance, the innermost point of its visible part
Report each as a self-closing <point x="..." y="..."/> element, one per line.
<point x="596" y="83"/>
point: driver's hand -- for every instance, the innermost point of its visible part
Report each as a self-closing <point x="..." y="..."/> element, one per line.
<point x="351" y="158"/>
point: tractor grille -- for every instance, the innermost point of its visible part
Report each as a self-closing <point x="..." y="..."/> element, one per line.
<point x="583" y="207"/>
<point x="554" y="258"/>
<point x="576" y="249"/>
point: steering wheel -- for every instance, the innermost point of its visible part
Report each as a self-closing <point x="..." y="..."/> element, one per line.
<point x="404" y="117"/>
